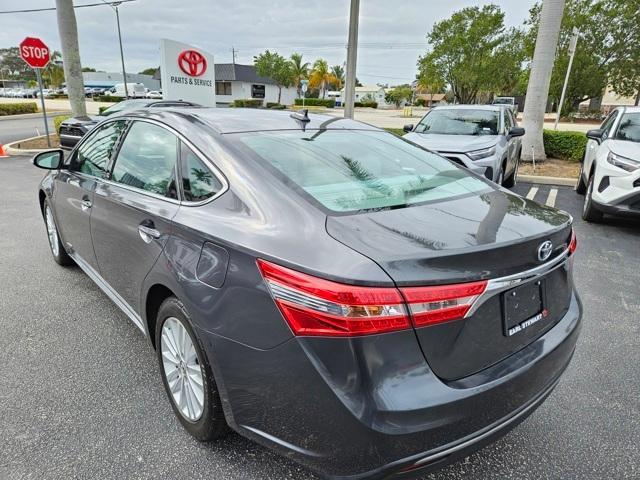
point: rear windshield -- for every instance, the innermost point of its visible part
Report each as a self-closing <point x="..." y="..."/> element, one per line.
<point x="125" y="105"/>
<point x="629" y="128"/>
<point x="460" y="121"/>
<point x="352" y="170"/>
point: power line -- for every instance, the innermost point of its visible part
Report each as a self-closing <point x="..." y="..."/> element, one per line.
<point x="118" y="2"/>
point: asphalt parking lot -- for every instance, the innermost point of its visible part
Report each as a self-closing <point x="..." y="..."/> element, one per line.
<point x="81" y="396"/>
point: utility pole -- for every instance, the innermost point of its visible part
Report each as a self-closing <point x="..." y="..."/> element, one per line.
<point x="572" y="52"/>
<point x="68" y="31"/>
<point x="352" y="51"/>
<point x="233" y="53"/>
<point x="114" y="7"/>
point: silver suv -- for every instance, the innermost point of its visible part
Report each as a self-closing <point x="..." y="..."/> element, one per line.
<point x="483" y="138"/>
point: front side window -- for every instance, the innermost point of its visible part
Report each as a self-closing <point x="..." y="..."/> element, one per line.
<point x="94" y="154"/>
<point x="460" y="121"/>
<point x="353" y="170"/>
<point x="198" y="183"/>
<point x="629" y="128"/>
<point x="147" y="160"/>
<point x="608" y="124"/>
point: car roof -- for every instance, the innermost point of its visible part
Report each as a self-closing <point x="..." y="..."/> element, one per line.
<point x="632" y="109"/>
<point x="470" y="107"/>
<point x="234" y="120"/>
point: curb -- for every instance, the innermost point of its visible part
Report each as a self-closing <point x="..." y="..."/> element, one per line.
<point x="10" y="149"/>
<point x="539" y="179"/>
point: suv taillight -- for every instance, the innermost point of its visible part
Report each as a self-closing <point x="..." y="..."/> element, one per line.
<point x="317" y="307"/>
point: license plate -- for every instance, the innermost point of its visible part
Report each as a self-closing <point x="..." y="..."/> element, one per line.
<point x="523" y="307"/>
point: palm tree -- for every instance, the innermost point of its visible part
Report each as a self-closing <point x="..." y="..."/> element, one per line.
<point x="337" y="71"/>
<point x="68" y="30"/>
<point x="299" y="70"/>
<point x="320" y="75"/>
<point x="540" y="77"/>
<point x="53" y="72"/>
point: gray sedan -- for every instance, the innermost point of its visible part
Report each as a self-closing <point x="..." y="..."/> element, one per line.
<point x="483" y="138"/>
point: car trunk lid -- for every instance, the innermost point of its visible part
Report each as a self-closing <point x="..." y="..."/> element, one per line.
<point x="473" y="238"/>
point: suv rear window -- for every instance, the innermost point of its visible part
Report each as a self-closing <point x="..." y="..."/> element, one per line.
<point x="354" y="170"/>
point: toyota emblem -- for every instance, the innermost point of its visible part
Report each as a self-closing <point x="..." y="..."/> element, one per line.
<point x="192" y="62"/>
<point x="544" y="250"/>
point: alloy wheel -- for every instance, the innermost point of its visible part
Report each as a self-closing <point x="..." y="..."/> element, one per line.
<point x="182" y="369"/>
<point x="52" y="232"/>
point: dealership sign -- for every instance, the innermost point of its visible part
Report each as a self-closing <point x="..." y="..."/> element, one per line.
<point x="187" y="73"/>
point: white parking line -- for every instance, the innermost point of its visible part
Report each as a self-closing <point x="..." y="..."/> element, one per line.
<point x="551" y="199"/>
<point x="532" y="193"/>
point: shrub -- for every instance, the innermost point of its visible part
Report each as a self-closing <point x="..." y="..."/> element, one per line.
<point x="397" y="131"/>
<point x="317" y="102"/>
<point x="58" y="120"/>
<point x="276" y="106"/>
<point x="101" y="109"/>
<point x="59" y="96"/>
<point x="109" y="98"/>
<point x="565" y="145"/>
<point x="248" y="103"/>
<point x="420" y="102"/>
<point x="17" y="108"/>
<point x="366" y="104"/>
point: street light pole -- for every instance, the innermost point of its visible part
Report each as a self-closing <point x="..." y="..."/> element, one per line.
<point x="572" y="52"/>
<point x="114" y="6"/>
<point x="352" y="50"/>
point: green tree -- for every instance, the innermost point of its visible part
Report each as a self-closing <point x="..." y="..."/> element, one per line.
<point x="53" y="74"/>
<point x="88" y="69"/>
<point x="299" y="70"/>
<point x="13" y="66"/>
<point x="399" y="95"/>
<point x="149" y="71"/>
<point x="430" y="80"/>
<point x="338" y="77"/>
<point x="274" y="66"/>
<point x="320" y="76"/>
<point x="469" y="49"/>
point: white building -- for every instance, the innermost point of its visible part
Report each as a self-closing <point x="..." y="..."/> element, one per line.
<point x="373" y="92"/>
<point x="241" y="82"/>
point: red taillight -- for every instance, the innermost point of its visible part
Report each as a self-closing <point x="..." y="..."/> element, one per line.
<point x="438" y="304"/>
<point x="573" y="243"/>
<point x="317" y="307"/>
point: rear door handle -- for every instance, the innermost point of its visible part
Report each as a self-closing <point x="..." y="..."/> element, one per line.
<point x="148" y="233"/>
<point x="85" y="205"/>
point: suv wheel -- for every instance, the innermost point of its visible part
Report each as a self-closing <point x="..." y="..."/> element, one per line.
<point x="186" y="373"/>
<point x="57" y="249"/>
<point x="513" y="178"/>
<point x="589" y="211"/>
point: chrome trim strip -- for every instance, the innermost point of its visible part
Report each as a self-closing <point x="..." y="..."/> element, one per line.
<point x="109" y="291"/>
<point x="497" y="285"/>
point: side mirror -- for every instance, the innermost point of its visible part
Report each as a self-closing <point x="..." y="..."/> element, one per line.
<point x="595" y="134"/>
<point x="49" y="160"/>
<point x="515" y="132"/>
<point x="408" y="127"/>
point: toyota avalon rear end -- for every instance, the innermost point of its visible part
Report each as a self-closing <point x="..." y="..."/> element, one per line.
<point x="332" y="291"/>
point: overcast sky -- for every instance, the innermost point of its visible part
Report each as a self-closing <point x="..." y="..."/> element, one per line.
<point x="392" y="32"/>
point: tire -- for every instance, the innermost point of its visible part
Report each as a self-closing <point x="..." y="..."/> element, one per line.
<point x="581" y="187"/>
<point x="589" y="211"/>
<point x="179" y="364"/>
<point x="58" y="252"/>
<point x="513" y="178"/>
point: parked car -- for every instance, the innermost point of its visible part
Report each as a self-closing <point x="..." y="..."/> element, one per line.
<point x="483" y="138"/>
<point x="610" y="173"/>
<point x="334" y="292"/>
<point x="154" y="94"/>
<point x="74" y="128"/>
<point x="510" y="102"/>
<point x="134" y="90"/>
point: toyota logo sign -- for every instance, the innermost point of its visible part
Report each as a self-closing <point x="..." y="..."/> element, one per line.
<point x="544" y="250"/>
<point x="192" y="63"/>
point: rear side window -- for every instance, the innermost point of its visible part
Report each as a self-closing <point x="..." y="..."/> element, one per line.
<point x="94" y="154"/>
<point x="352" y="170"/>
<point x="147" y="160"/>
<point x="198" y="183"/>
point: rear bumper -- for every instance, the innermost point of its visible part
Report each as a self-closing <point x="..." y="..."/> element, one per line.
<point x="371" y="408"/>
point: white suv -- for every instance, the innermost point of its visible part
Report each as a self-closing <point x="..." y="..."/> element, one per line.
<point x="610" y="173"/>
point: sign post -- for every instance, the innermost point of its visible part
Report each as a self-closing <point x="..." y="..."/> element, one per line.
<point x="36" y="54"/>
<point x="304" y="88"/>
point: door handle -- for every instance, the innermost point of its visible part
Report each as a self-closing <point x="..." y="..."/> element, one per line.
<point x="85" y="205"/>
<point x="148" y="233"/>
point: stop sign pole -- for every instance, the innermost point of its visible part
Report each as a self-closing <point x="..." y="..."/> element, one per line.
<point x="36" y="54"/>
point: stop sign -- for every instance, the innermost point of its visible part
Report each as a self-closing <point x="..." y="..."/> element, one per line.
<point x="34" y="52"/>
